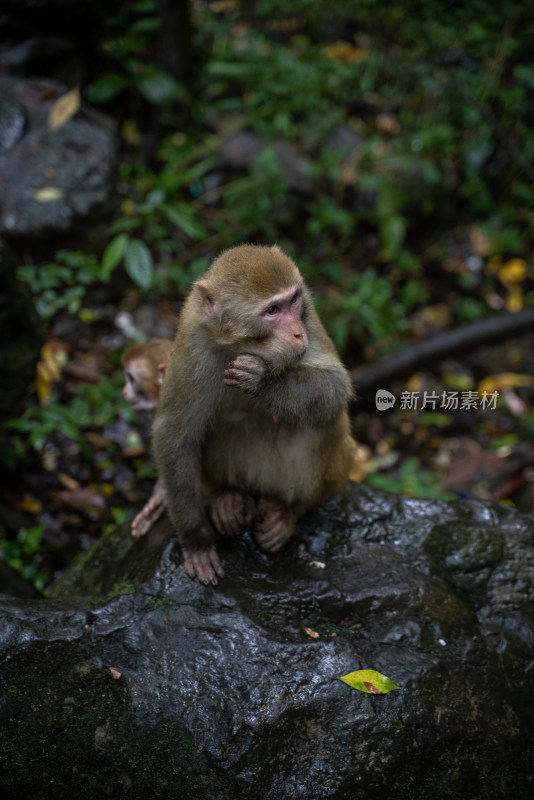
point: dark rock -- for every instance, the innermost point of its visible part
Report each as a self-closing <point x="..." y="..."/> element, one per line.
<point x="73" y="164"/>
<point x="220" y="692"/>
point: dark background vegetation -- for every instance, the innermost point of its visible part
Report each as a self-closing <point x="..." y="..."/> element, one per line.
<point x="387" y="146"/>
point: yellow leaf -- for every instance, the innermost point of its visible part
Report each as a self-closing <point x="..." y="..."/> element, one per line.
<point x="47" y="194"/>
<point x="64" y="109"/>
<point x="504" y="380"/>
<point x="343" y="51"/>
<point x="514" y="271"/>
<point x="87" y="315"/>
<point x="311" y="633"/>
<point x="514" y="299"/>
<point x="127" y="206"/>
<point x="31" y="504"/>
<point x="48" y="372"/>
<point x="131" y="133"/>
<point x="369" y="681"/>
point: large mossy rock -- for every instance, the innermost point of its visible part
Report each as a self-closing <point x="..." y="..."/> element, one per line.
<point x="227" y="694"/>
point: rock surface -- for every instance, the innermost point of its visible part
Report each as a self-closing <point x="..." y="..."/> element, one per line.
<point x="50" y="179"/>
<point x="223" y="694"/>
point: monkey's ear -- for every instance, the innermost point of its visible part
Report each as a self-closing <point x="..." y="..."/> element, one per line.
<point x="208" y="299"/>
<point x="162" y="368"/>
<point x="276" y="248"/>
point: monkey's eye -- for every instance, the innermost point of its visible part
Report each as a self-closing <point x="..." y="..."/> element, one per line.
<point x="295" y="298"/>
<point x="272" y="311"/>
<point x="129" y="377"/>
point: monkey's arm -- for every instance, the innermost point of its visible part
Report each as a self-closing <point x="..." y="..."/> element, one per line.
<point x="178" y="434"/>
<point x="310" y="393"/>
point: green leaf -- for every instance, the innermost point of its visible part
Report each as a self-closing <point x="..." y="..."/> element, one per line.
<point x="113" y="254"/>
<point x="106" y="87"/>
<point x="138" y="262"/>
<point x="157" y="87"/>
<point x="369" y="681"/>
<point x="185" y="221"/>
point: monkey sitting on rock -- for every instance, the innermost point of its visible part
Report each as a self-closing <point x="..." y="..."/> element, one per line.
<point x="251" y="428"/>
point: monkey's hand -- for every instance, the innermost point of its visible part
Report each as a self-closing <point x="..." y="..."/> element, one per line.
<point x="232" y="512"/>
<point x="150" y="513"/>
<point x="203" y="564"/>
<point x="274" y="526"/>
<point x="245" y="372"/>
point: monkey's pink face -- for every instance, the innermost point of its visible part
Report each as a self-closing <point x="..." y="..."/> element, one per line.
<point x="281" y="320"/>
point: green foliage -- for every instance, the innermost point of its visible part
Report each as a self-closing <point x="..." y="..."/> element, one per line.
<point x="411" y="481"/>
<point x="131" y="30"/>
<point x="61" y="284"/>
<point x="372" y="308"/>
<point x="94" y="406"/>
<point x="22" y="555"/>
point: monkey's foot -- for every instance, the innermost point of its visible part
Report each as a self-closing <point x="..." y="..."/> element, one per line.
<point x="149" y="514"/>
<point x="232" y="512"/>
<point x="274" y="526"/>
<point x="204" y="565"/>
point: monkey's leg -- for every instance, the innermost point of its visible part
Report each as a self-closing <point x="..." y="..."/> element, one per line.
<point x="232" y="512"/>
<point x="150" y="513"/>
<point x="274" y="525"/>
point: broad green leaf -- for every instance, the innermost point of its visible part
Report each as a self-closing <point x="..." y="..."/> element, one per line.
<point x="185" y="221"/>
<point x="106" y="87"/>
<point x="370" y="681"/>
<point x="113" y="254"/>
<point x="138" y="263"/>
<point x="157" y="86"/>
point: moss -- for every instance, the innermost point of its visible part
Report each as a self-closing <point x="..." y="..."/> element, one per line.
<point x="68" y="728"/>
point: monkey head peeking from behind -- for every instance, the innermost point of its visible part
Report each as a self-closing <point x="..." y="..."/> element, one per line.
<point x="144" y="366"/>
<point x="252" y="427"/>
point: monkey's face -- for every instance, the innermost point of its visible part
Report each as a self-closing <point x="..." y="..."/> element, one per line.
<point x="282" y="334"/>
<point x="140" y="389"/>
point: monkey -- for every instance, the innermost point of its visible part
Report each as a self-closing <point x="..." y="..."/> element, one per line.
<point x="252" y="426"/>
<point x="144" y="366"/>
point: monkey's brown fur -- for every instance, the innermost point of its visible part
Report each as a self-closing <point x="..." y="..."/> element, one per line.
<point x="252" y="427"/>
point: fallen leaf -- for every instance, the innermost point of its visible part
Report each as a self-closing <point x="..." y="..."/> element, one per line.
<point x="47" y="194"/>
<point x="343" y="51"/>
<point x="311" y="633"/>
<point x="116" y="673"/>
<point x="369" y="681"/>
<point x="504" y="380"/>
<point x="48" y="372"/>
<point x="86" y="499"/>
<point x="30" y="504"/>
<point x="68" y="482"/>
<point x="64" y="109"/>
<point x="387" y="124"/>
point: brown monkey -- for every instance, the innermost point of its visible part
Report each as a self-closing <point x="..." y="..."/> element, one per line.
<point x="144" y="369"/>
<point x="252" y="426"/>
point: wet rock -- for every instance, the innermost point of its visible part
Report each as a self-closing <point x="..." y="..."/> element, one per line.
<point x="50" y="179"/>
<point x="134" y="681"/>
